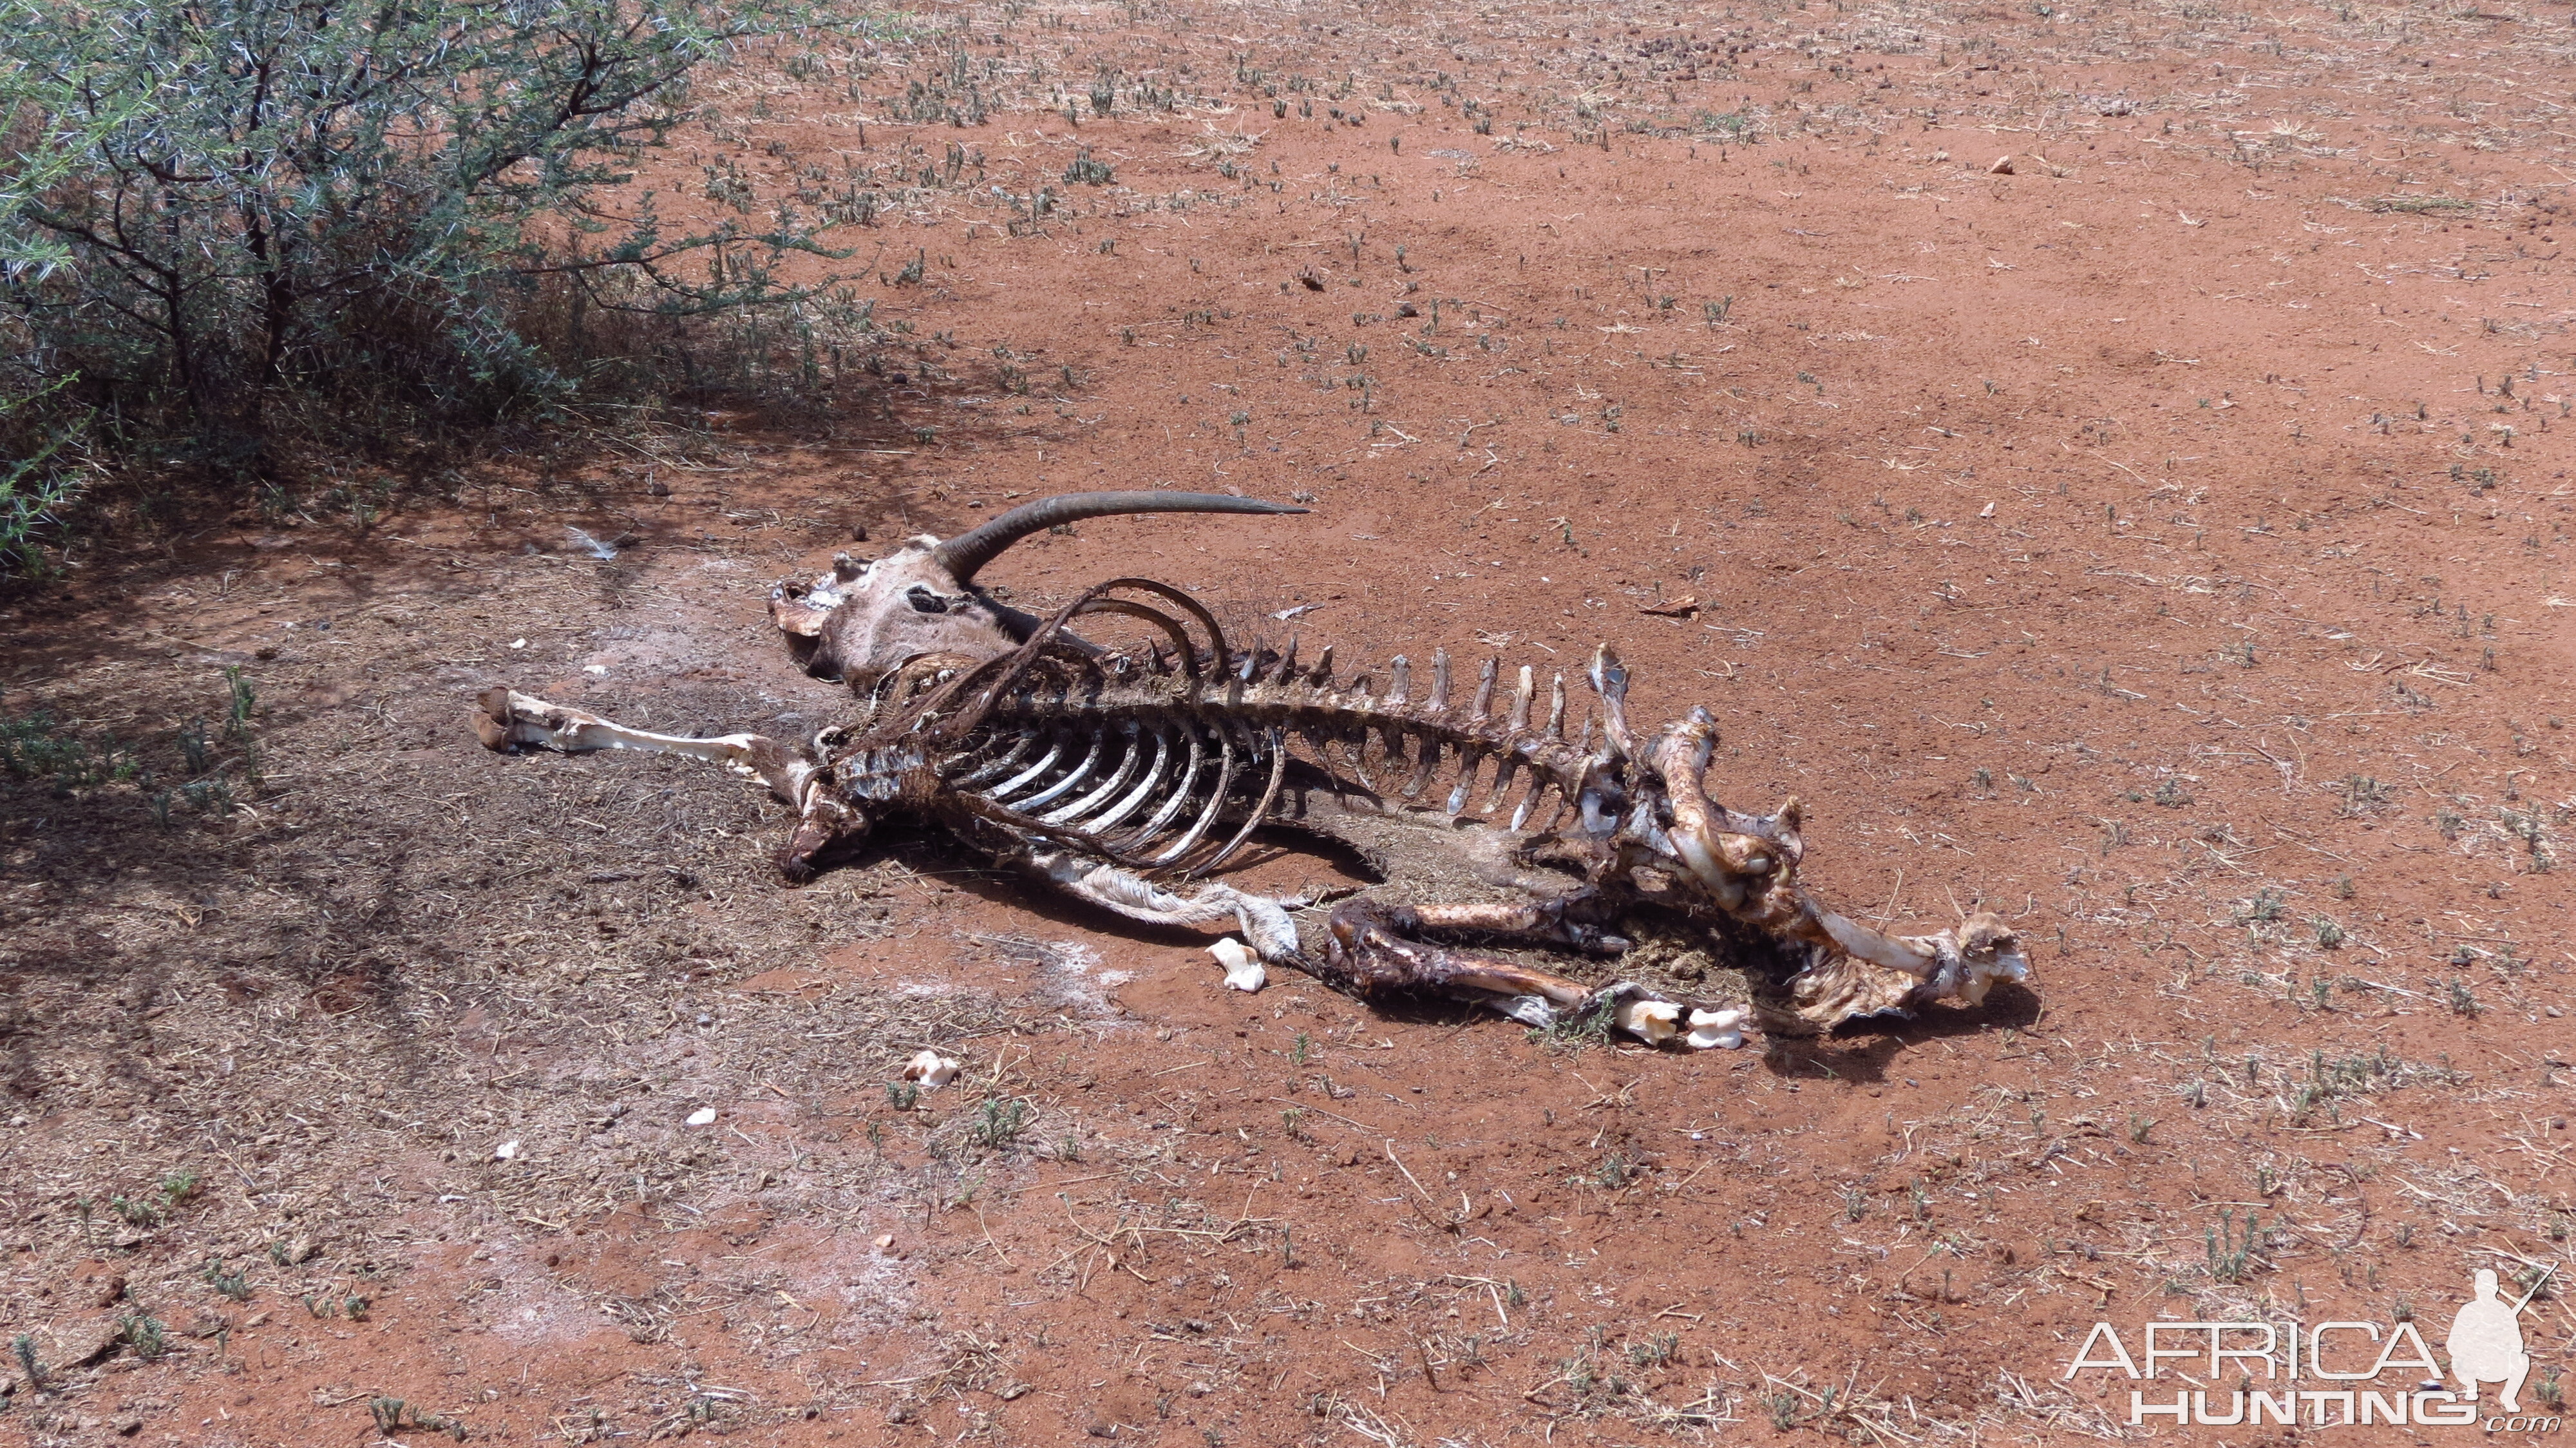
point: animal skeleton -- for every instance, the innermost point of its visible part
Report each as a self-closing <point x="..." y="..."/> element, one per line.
<point x="1131" y="779"/>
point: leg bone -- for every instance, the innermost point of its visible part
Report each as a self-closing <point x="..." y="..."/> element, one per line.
<point x="508" y="720"/>
<point x="1371" y="952"/>
<point x="1567" y="919"/>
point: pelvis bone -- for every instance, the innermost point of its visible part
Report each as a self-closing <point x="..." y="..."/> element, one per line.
<point x="1132" y="780"/>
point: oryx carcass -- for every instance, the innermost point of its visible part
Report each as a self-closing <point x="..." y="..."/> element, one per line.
<point x="1132" y="777"/>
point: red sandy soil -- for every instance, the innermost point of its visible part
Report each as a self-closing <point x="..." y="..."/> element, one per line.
<point x="2163" y="542"/>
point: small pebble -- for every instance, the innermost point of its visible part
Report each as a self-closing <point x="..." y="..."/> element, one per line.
<point x="703" y="1116"/>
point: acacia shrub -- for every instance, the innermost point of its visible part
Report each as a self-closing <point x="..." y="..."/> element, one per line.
<point x="226" y="220"/>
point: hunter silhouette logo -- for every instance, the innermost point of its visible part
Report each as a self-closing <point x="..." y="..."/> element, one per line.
<point x="2486" y="1343"/>
<point x="2366" y="1372"/>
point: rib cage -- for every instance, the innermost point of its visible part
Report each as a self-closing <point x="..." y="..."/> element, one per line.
<point x="1168" y="763"/>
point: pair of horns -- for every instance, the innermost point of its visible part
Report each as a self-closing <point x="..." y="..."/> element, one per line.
<point x="964" y="554"/>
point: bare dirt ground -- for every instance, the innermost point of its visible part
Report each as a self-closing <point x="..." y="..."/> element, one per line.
<point x="2164" y="543"/>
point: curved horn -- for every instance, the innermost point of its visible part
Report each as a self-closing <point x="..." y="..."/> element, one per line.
<point x="964" y="554"/>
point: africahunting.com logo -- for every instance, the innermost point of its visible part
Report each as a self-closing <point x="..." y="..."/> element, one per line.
<point x="2401" y="1384"/>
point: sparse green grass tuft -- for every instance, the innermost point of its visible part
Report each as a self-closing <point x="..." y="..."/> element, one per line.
<point x="1001" y="1123"/>
<point x="232" y="1284"/>
<point x="2234" y="1257"/>
<point x="1575" y="1030"/>
<point x="144" y="1333"/>
<point x="1616" y="1171"/>
<point x="2420" y="205"/>
<point x="1655" y="1350"/>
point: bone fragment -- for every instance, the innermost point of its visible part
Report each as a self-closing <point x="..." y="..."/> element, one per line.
<point x="703" y="1116"/>
<point x="1243" y="969"/>
<point x="1722" y="1030"/>
<point x="1653" y="1022"/>
<point x="931" y="1069"/>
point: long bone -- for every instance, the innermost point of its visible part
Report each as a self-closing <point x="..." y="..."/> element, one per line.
<point x="508" y="720"/>
<point x="512" y="720"/>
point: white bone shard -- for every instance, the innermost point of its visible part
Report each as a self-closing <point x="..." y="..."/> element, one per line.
<point x="931" y="1069"/>
<point x="505" y="1151"/>
<point x="703" y="1116"/>
<point x="1242" y="968"/>
<point x="1723" y="1030"/>
<point x="1653" y="1022"/>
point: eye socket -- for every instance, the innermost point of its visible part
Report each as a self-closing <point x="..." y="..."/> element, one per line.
<point x="924" y="601"/>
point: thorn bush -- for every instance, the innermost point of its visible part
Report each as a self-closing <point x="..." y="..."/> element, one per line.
<point x="216" y="220"/>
